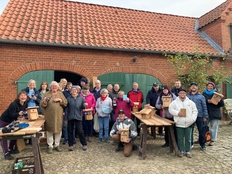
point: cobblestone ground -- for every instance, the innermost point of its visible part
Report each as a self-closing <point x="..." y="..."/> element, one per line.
<point x="100" y="158"/>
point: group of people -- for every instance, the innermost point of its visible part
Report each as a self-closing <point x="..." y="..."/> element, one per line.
<point x="65" y="106"/>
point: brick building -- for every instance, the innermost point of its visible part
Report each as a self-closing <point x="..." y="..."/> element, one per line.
<point x="85" y="40"/>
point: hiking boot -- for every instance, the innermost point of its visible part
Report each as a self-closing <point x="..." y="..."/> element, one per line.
<point x="50" y="149"/>
<point x="119" y="148"/>
<point x="8" y="156"/>
<point x="58" y="149"/>
<point x="70" y="148"/>
<point x="107" y="140"/>
<point x="203" y="148"/>
<point x="165" y="145"/>
<point x="84" y="147"/>
<point x="13" y="151"/>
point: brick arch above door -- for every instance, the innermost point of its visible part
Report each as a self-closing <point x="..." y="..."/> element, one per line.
<point x="36" y="66"/>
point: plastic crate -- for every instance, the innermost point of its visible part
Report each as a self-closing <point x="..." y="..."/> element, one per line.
<point x="29" y="161"/>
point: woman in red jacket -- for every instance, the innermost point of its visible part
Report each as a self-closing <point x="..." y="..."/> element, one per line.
<point x="123" y="104"/>
<point x="135" y="95"/>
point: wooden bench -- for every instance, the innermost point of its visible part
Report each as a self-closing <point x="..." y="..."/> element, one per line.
<point x="156" y="121"/>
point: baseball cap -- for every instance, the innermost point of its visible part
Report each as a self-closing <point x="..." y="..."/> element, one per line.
<point x="182" y="89"/>
<point x="155" y="84"/>
<point x="121" y="112"/>
<point x="194" y="83"/>
<point x="164" y="87"/>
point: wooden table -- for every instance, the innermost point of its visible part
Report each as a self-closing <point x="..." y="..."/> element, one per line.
<point x="156" y="121"/>
<point x="30" y="132"/>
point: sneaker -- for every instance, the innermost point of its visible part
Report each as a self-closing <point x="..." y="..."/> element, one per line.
<point x="8" y="156"/>
<point x="189" y="155"/>
<point x="165" y="145"/>
<point x="203" y="148"/>
<point x="13" y="151"/>
<point x="84" y="147"/>
<point x="65" y="141"/>
<point x="70" y="148"/>
<point x="58" y="149"/>
<point x="50" y="149"/>
<point x="99" y="140"/>
<point x="211" y="143"/>
<point x="180" y="155"/>
<point x="107" y="140"/>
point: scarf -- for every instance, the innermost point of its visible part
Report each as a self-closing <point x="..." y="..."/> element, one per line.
<point x="103" y="98"/>
<point x="209" y="92"/>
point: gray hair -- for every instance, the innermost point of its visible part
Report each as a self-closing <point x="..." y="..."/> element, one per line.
<point x="104" y="90"/>
<point x="110" y="85"/>
<point x="30" y="81"/>
<point x="54" y="83"/>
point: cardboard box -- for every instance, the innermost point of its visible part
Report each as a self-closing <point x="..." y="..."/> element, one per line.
<point x="32" y="113"/>
<point x="28" y="165"/>
<point x="166" y="101"/>
<point x="124" y="135"/>
<point x="216" y="97"/>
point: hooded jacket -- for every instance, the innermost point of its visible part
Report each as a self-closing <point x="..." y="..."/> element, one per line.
<point x="90" y="99"/>
<point x="126" y="123"/>
<point x="191" y="112"/>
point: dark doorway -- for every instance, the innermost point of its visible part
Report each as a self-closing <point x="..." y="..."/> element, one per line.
<point x="71" y="77"/>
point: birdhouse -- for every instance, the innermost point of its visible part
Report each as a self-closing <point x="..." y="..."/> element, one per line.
<point x="183" y="111"/>
<point x="124" y="134"/>
<point x="135" y="107"/>
<point x="32" y="113"/>
<point x="216" y="98"/>
<point x="88" y="114"/>
<point x="166" y="101"/>
<point x="147" y="112"/>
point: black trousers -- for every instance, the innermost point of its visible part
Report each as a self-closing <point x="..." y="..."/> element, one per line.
<point x="79" y="129"/>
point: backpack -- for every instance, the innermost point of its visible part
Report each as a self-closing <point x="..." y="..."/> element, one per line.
<point x="205" y="135"/>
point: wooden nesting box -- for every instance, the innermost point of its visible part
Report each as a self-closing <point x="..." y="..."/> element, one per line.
<point x="135" y="107"/>
<point x="183" y="111"/>
<point x="147" y="113"/>
<point x="166" y="101"/>
<point x="32" y="113"/>
<point x="216" y="97"/>
<point x="124" y="135"/>
<point x="88" y="114"/>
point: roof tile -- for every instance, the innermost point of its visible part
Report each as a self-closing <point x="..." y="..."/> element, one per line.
<point x="75" y="23"/>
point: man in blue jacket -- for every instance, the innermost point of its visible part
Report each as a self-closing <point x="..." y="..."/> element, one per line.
<point x="202" y="116"/>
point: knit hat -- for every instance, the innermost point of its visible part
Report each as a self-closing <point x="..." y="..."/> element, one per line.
<point x="84" y="80"/>
<point x="213" y="84"/>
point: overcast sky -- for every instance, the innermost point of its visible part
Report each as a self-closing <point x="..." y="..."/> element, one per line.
<point x="192" y="8"/>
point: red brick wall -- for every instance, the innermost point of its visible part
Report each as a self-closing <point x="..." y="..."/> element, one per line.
<point x="16" y="60"/>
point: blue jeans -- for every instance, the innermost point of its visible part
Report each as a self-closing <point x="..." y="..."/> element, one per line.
<point x="104" y="123"/>
<point x="65" y="130"/>
<point x="213" y="129"/>
<point x="87" y="127"/>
